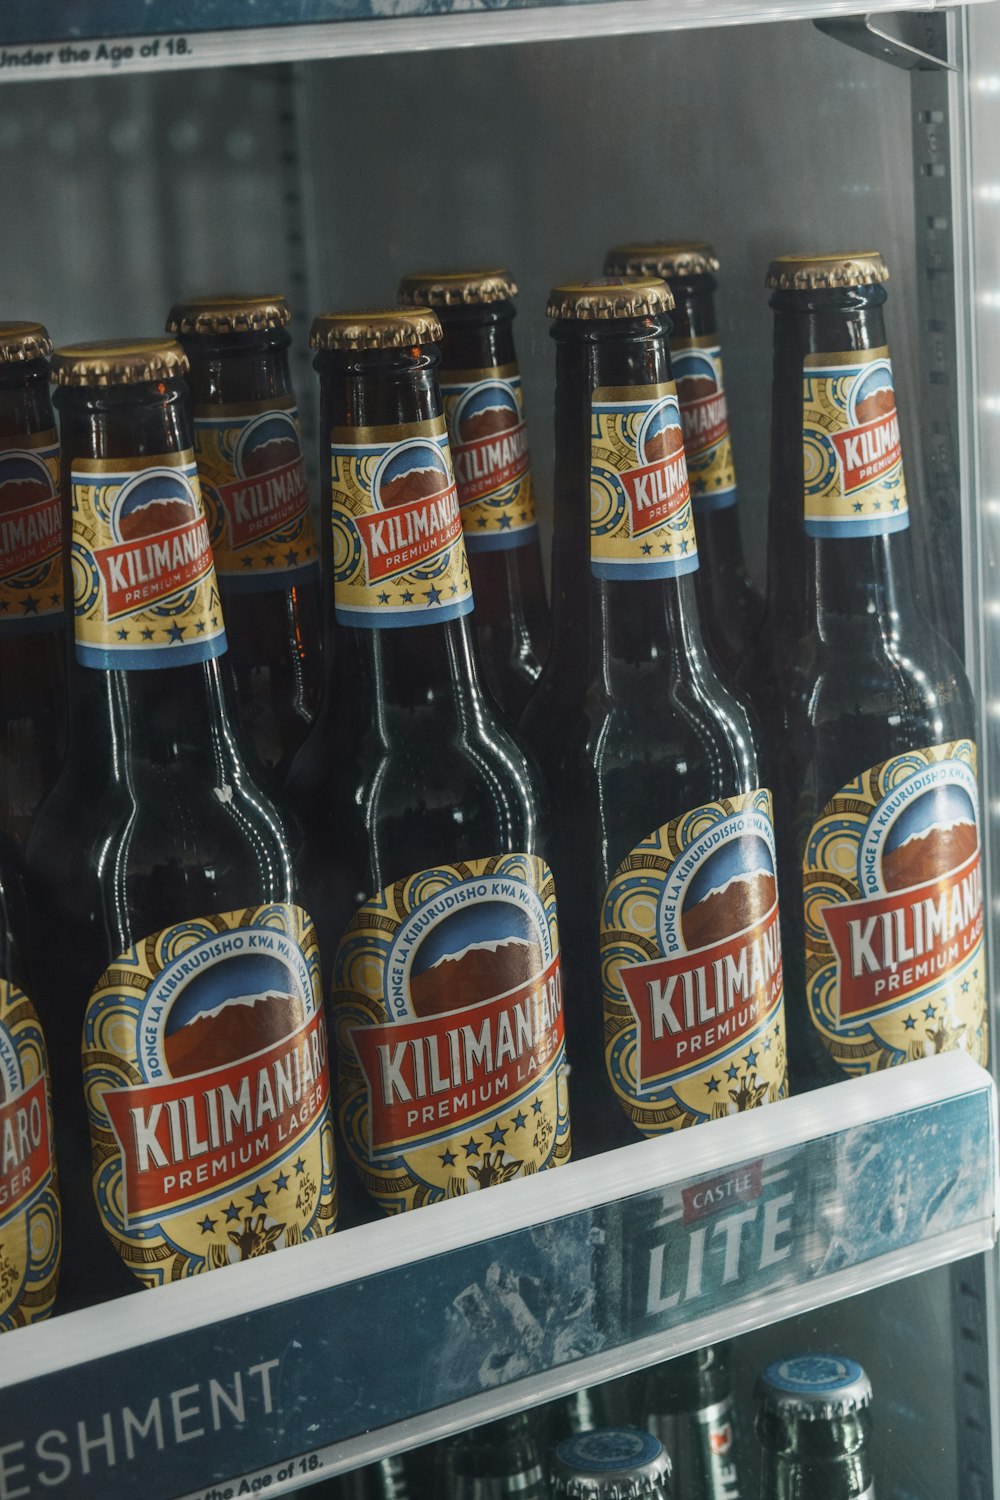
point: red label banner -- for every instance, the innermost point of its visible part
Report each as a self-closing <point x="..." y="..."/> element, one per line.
<point x="656" y="492"/>
<point x="886" y="947"/>
<point x="186" y="1137"/>
<point x="433" y="1075"/>
<point x="407" y="535"/>
<point x="490" y="463"/>
<point x="694" y="1004"/>
<point x="30" y="536"/>
<point x="143" y="571"/>
<point x="25" y="1152"/>
<point x="264" y="503"/>
<point x="867" y="451"/>
<point x="706" y="421"/>
<point x="717" y="1193"/>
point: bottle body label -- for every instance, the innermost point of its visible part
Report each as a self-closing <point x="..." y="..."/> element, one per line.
<point x="641" y="522"/>
<point x="398" y="550"/>
<point x="852" y="463"/>
<point x="31" y="570"/>
<point x="489" y="445"/>
<point x="208" y="1094"/>
<point x="29" y="1202"/>
<point x="691" y="968"/>
<point x="893" y="907"/>
<point x="145" y="593"/>
<point x="701" y="390"/>
<point x="255" y="491"/>
<point x="449" y="1031"/>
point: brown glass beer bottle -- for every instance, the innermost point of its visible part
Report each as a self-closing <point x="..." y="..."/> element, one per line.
<point x="32" y="623"/>
<point x="425" y="854"/>
<point x="484" y="410"/>
<point x="731" y="606"/>
<point x="871" y="713"/>
<point x="247" y="445"/>
<point x="663" y="844"/>
<point x="168" y="927"/>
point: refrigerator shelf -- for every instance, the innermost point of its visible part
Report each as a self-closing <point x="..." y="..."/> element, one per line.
<point x="298" y="1365"/>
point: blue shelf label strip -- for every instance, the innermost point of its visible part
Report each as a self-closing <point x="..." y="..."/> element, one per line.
<point x="189" y="1414"/>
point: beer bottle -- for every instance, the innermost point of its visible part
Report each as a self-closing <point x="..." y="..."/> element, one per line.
<point x="32" y="649"/>
<point x="494" y="1461"/>
<point x="814" y="1426"/>
<point x="663" y="840"/>
<point x="871" y="711"/>
<point x="30" y="1237"/>
<point x="612" y="1463"/>
<point x="484" y="410"/>
<point x="689" y="1406"/>
<point x="384" y="1480"/>
<point x="731" y="606"/>
<point x="169" y="927"/>
<point x="424" y="846"/>
<point x="248" y="448"/>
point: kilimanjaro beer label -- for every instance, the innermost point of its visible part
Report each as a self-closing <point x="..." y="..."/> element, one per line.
<point x="31" y="573"/>
<point x="641" y="524"/>
<point x="144" y="586"/>
<point x="29" y="1202"/>
<point x="398" y="551"/>
<point x="449" y="1032"/>
<point x="892" y="885"/>
<point x="691" y="968"/>
<point x="208" y="1094"/>
<point x="709" y="448"/>
<point x="489" y="447"/>
<point x="852" y="463"/>
<point x="256" y="497"/>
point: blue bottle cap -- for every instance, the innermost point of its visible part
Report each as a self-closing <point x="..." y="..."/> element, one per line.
<point x="611" y="1462"/>
<point x="814" y="1386"/>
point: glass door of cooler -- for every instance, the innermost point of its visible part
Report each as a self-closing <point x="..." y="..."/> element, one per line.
<point x="324" y="151"/>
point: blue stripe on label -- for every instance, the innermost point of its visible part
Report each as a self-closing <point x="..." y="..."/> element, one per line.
<point x="151" y="659"/>
<point x="266" y="583"/>
<point x="722" y="500"/>
<point x="500" y="541"/>
<point x="871" y="526"/>
<point x="399" y="619"/>
<point x="640" y="572"/>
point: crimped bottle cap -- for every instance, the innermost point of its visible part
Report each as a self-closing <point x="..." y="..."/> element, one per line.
<point x="612" y="1463"/>
<point x="662" y="258"/>
<point x="608" y="297"/>
<point x="22" y="341"/>
<point x="375" y="328"/>
<point x="814" y="1387"/>
<point x="804" y="273"/>
<point x="228" y="313"/>
<point x="118" y="362"/>
<point x="455" y="288"/>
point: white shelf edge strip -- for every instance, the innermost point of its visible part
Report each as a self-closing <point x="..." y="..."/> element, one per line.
<point x="109" y="1328"/>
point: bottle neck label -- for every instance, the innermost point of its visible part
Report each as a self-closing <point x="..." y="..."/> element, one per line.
<point x="892" y="886"/>
<point x="449" y="1031"/>
<point x="31" y="569"/>
<point x="29" y="1202"/>
<point x="205" y="1064"/>
<point x="704" y="1447"/>
<point x="641" y="523"/>
<point x="701" y="390"/>
<point x="489" y="444"/>
<point x="691" y="968"/>
<point x="144" y="586"/>
<point x="398" y="552"/>
<point x="852" y="463"/>
<point x="256" y="497"/>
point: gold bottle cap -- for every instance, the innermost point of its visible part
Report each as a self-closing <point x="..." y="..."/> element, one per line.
<point x="118" y="362"/>
<point x="228" y="313"/>
<point x="22" y="341"/>
<point x="455" y="288"/>
<point x="664" y="258"/>
<point x="806" y="273"/>
<point x="375" y="328"/>
<point x="608" y="297"/>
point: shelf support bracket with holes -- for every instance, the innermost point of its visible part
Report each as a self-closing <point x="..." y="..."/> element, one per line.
<point x="915" y="40"/>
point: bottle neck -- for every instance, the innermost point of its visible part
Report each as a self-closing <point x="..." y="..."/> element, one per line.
<point x="25" y="402"/>
<point x="227" y="369"/>
<point x="824" y="1459"/>
<point x="694" y="309"/>
<point x="477" y="338"/>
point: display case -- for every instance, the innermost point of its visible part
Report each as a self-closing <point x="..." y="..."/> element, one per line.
<point x="324" y="149"/>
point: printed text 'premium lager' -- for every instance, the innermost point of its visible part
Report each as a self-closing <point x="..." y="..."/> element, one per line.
<point x="425" y="854"/>
<point x="664" y="847"/>
<point x="169" y="929"/>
